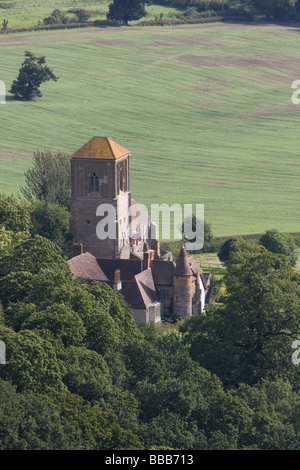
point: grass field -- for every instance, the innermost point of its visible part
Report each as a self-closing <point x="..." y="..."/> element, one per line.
<point x="28" y="13"/>
<point x="205" y="110"/>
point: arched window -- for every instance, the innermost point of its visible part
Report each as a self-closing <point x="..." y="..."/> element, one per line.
<point x="121" y="179"/>
<point x="94" y="183"/>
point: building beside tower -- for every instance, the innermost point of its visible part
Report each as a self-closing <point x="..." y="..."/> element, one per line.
<point x="153" y="284"/>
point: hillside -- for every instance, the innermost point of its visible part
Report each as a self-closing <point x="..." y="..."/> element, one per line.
<point x="205" y="110"/>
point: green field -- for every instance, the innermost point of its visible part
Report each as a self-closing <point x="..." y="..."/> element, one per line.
<point x="30" y="13"/>
<point x="205" y="110"/>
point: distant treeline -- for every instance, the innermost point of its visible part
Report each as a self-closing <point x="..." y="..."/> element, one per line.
<point x="271" y="9"/>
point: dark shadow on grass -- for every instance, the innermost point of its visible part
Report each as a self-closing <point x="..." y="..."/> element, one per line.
<point x="15" y="98"/>
<point x="10" y="98"/>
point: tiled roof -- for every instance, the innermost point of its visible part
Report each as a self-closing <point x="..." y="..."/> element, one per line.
<point x="163" y="272"/>
<point x="101" y="148"/>
<point x="194" y="266"/>
<point x="85" y="265"/>
<point x="206" y="277"/>
<point x="183" y="267"/>
<point x="128" y="267"/>
<point x="141" y="293"/>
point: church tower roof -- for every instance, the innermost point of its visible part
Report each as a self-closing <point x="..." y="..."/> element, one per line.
<point x="182" y="265"/>
<point x="102" y="148"/>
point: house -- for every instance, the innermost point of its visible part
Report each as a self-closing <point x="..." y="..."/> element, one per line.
<point x="153" y="284"/>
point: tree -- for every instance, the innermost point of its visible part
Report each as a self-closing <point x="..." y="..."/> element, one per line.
<point x="278" y="9"/>
<point x="225" y="249"/>
<point x="280" y="243"/>
<point x="51" y="221"/>
<point x="32" y="363"/>
<point x="82" y="15"/>
<point x="14" y="214"/>
<point x="127" y="10"/>
<point x="250" y="337"/>
<point x="32" y="74"/>
<point x="57" y="17"/>
<point x="87" y="373"/>
<point x="29" y="423"/>
<point x="49" y="178"/>
<point x="32" y="269"/>
<point x="190" y="226"/>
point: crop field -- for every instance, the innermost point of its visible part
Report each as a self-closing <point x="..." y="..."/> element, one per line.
<point x="205" y="110"/>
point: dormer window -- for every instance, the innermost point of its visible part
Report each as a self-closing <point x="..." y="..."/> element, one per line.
<point x="94" y="183"/>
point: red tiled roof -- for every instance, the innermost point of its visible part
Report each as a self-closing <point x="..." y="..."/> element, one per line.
<point x="86" y="265"/>
<point x="182" y="265"/>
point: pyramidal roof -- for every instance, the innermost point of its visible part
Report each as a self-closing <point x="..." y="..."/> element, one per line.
<point x="102" y="148"/>
<point x="183" y="267"/>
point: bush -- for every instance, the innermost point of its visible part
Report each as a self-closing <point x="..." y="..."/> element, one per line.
<point x="56" y="17"/>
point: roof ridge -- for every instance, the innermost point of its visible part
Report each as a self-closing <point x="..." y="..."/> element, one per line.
<point x="109" y="143"/>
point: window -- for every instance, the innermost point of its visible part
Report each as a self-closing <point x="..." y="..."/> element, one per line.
<point x="94" y="183"/>
<point x="154" y="312"/>
<point x="121" y="180"/>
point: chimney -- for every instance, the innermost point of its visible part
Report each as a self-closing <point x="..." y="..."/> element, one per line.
<point x="77" y="249"/>
<point x="146" y="260"/>
<point x="117" y="280"/>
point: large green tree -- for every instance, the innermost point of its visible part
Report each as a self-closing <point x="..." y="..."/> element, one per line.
<point x="127" y="10"/>
<point x="280" y="243"/>
<point x="51" y="221"/>
<point x="32" y="74"/>
<point x="48" y="179"/>
<point x="251" y="336"/>
<point x="14" y="214"/>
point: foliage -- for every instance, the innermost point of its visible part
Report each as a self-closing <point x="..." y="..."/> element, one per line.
<point x="57" y="17"/>
<point x="280" y="243"/>
<point x="91" y="379"/>
<point x="225" y="249"/>
<point x="49" y="220"/>
<point x="61" y="17"/>
<point x="32" y="74"/>
<point x="81" y="14"/>
<point x="277" y="9"/>
<point x="49" y="179"/>
<point x="127" y="10"/>
<point x="192" y="225"/>
<point x="250" y="337"/>
<point x="14" y="214"/>
<point x="32" y="364"/>
<point x="29" y="423"/>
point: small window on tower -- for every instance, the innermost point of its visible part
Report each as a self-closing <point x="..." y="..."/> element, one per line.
<point x="94" y="183"/>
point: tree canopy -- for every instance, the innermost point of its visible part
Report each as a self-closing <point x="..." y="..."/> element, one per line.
<point x="280" y="243"/>
<point x="32" y="74"/>
<point x="80" y="374"/>
<point x="250" y="336"/>
<point x="49" y="178"/>
<point x="127" y="10"/>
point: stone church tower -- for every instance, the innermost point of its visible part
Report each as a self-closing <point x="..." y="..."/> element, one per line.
<point x="100" y="175"/>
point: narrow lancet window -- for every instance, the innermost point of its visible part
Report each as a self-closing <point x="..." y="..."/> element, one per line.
<point x="94" y="183"/>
